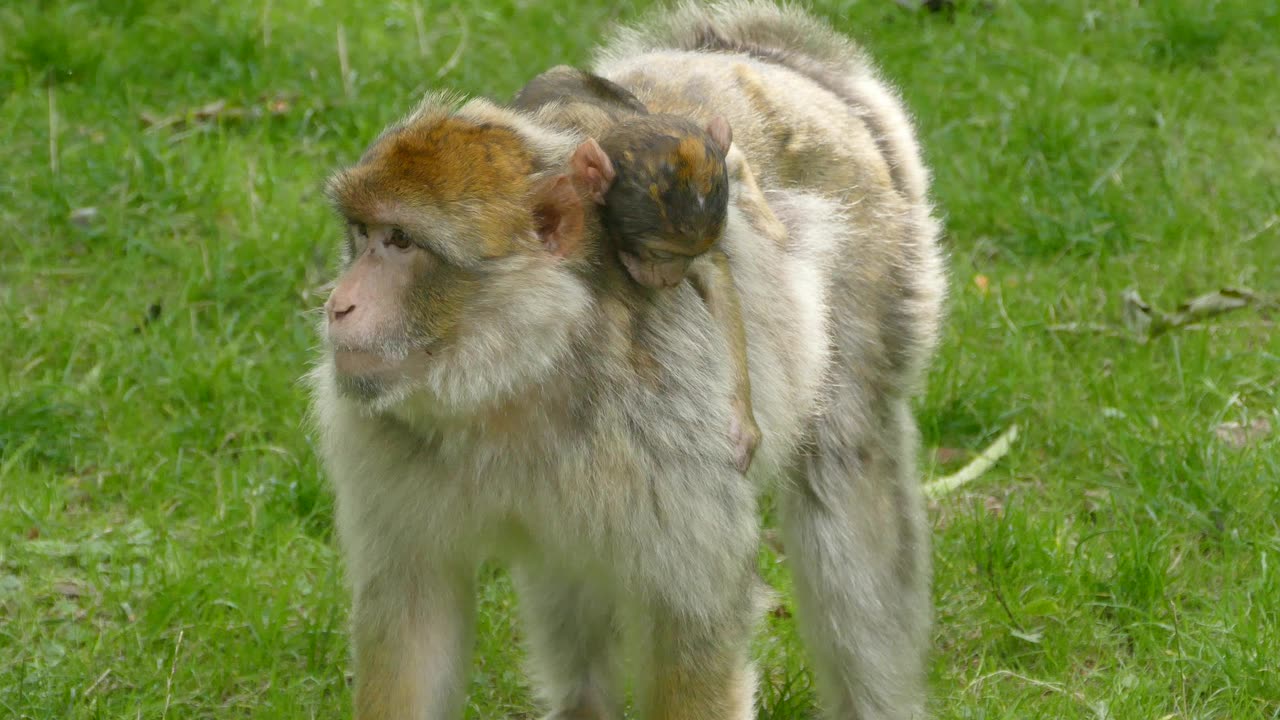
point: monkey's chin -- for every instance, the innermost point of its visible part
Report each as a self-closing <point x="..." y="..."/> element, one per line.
<point x="361" y="363"/>
<point x="368" y="376"/>
<point x="376" y="377"/>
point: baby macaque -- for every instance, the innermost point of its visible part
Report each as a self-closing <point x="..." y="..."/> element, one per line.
<point x="665" y="209"/>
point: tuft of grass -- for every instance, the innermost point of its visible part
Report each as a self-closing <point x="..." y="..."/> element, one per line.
<point x="165" y="534"/>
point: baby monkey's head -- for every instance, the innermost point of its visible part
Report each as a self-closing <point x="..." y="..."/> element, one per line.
<point x="670" y="197"/>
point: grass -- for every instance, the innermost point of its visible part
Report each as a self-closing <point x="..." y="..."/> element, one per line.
<point x="165" y="540"/>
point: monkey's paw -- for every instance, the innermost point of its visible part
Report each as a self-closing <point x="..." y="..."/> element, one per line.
<point x="745" y="436"/>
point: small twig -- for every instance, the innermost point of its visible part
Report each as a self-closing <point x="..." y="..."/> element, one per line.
<point x="344" y="66"/>
<point x="420" y="26"/>
<point x="254" y="200"/>
<point x="462" y="44"/>
<point x="1112" y="171"/>
<point x="1042" y="684"/>
<point x="266" y="24"/>
<point x="53" y="131"/>
<point x="1177" y="638"/>
<point x="1055" y="687"/>
<point x="989" y="568"/>
<point x="1079" y="327"/>
<point x="1265" y="227"/>
<point x="979" y="465"/>
<point x="173" y="668"/>
<point x="89" y="690"/>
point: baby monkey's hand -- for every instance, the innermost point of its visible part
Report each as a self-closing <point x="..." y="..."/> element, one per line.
<point x="745" y="435"/>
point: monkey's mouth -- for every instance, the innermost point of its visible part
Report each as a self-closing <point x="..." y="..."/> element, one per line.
<point x="355" y="362"/>
<point x="655" y="273"/>
<point x="363" y="363"/>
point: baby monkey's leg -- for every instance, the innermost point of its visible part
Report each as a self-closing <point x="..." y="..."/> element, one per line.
<point x="710" y="276"/>
<point x="750" y="199"/>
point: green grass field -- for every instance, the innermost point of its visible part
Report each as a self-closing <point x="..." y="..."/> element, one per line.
<point x="165" y="534"/>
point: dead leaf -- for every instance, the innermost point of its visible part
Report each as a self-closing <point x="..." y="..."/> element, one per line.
<point x="1136" y="314"/>
<point x="220" y="111"/>
<point x="1033" y="636"/>
<point x="993" y="505"/>
<point x="210" y="110"/>
<point x="1215" y="303"/>
<point x="84" y="217"/>
<point x="1096" y="499"/>
<point x="70" y="589"/>
<point x="1239" y="435"/>
<point x="983" y="283"/>
<point x="948" y="455"/>
<point x="1147" y="322"/>
<point x="780" y="611"/>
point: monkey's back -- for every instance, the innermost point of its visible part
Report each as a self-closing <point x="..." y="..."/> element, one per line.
<point x="837" y="163"/>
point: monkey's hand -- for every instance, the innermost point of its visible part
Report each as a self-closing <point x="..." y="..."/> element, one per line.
<point x="745" y="436"/>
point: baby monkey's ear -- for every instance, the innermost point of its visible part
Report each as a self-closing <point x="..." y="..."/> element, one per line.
<point x="557" y="213"/>
<point x="720" y="131"/>
<point x="592" y="170"/>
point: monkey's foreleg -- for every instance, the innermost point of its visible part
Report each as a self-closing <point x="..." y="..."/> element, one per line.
<point x="412" y="633"/>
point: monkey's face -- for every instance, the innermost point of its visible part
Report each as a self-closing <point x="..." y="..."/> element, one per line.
<point x="655" y="268"/>
<point x="385" y="317"/>
<point x="454" y="285"/>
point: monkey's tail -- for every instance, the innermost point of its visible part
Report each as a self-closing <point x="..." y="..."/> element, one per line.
<point x="789" y="36"/>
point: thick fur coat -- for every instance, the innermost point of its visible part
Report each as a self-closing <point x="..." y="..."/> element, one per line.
<point x="572" y="426"/>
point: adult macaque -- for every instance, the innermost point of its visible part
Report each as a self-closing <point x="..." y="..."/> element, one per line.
<point x="494" y="388"/>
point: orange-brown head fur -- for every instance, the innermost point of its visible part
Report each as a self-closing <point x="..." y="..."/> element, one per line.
<point x="480" y="175"/>
<point x="464" y="236"/>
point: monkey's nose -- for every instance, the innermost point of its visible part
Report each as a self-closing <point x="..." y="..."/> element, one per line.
<point x="339" y="311"/>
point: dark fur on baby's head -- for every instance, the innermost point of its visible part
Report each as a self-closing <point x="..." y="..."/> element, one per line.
<point x="671" y="193"/>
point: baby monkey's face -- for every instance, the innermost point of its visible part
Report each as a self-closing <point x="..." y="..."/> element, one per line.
<point x="655" y="268"/>
<point x="667" y="201"/>
<point x="660" y="229"/>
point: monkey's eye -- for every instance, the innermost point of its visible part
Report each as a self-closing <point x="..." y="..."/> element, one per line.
<point x="660" y="255"/>
<point x="400" y="239"/>
<point x="360" y="229"/>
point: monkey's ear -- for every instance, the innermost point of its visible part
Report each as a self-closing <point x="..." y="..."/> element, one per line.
<point x="592" y="170"/>
<point x="558" y="215"/>
<point x="720" y="131"/>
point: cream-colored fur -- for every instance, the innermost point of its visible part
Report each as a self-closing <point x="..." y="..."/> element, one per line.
<point x="533" y="439"/>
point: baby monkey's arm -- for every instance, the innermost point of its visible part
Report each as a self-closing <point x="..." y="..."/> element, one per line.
<point x="711" y="277"/>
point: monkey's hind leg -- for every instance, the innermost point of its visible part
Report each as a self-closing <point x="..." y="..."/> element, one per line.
<point x="573" y="644"/>
<point x="859" y="549"/>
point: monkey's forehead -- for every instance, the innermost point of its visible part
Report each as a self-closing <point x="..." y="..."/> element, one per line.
<point x="477" y="176"/>
<point x="444" y="161"/>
